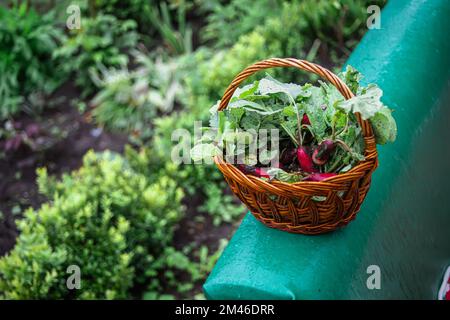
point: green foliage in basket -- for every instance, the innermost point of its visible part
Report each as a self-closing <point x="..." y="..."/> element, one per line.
<point x="27" y="41"/>
<point x="319" y="132"/>
<point x="101" y="40"/>
<point x="108" y="218"/>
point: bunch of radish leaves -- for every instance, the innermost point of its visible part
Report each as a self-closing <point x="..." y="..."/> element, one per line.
<point x="319" y="135"/>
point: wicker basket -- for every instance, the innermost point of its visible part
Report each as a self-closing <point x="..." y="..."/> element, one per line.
<point x="293" y="208"/>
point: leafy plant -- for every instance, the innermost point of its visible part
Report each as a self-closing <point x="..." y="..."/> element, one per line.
<point x="128" y="101"/>
<point x="27" y="41"/>
<point x="101" y="41"/>
<point x="177" y="37"/>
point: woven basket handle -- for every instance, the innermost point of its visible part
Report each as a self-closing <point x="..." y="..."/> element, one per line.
<point x="300" y="64"/>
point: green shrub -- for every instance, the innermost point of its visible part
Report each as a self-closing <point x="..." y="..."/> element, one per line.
<point x="101" y="41"/>
<point x="33" y="268"/>
<point x="27" y="41"/>
<point x="108" y="218"/>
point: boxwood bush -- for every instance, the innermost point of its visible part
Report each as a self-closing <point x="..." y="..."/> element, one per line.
<point x="108" y="218"/>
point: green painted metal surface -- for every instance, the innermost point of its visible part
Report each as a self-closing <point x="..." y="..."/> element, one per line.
<point x="404" y="224"/>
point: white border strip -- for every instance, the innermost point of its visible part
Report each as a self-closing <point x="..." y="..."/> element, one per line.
<point x="443" y="289"/>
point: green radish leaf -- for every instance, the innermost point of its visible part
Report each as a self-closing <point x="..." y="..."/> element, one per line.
<point x="246" y="91"/>
<point x="358" y="156"/>
<point x="222" y="122"/>
<point x="281" y="175"/>
<point x="289" y="111"/>
<point x="366" y="104"/>
<point x="314" y="107"/>
<point x="271" y="86"/>
<point x="346" y="168"/>
<point x="250" y="120"/>
<point x="213" y="116"/>
<point x="243" y="137"/>
<point x="251" y="159"/>
<point x="235" y="115"/>
<point x="352" y="77"/>
<point x="253" y="106"/>
<point x="204" y="152"/>
<point x="384" y="126"/>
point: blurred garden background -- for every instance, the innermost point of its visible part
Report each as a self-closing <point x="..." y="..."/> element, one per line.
<point x="86" y="118"/>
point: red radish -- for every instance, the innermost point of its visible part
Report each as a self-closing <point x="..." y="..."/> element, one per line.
<point x="254" y="171"/>
<point x="304" y="160"/>
<point x="323" y="152"/>
<point x="305" y="120"/>
<point x="319" y="176"/>
<point x="245" y="168"/>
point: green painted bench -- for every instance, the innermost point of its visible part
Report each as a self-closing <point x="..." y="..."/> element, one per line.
<point x="404" y="224"/>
